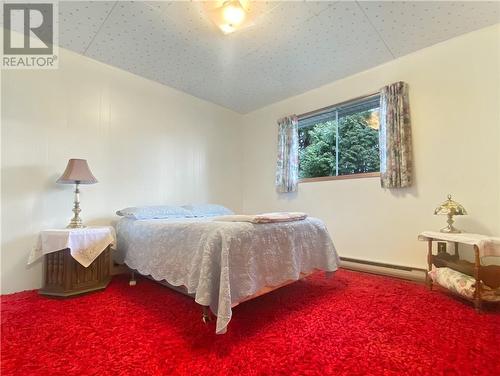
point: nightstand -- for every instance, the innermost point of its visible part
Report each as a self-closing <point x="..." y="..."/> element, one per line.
<point x="76" y="261"/>
<point x="486" y="277"/>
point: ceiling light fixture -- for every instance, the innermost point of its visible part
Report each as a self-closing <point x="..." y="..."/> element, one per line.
<point x="231" y="15"/>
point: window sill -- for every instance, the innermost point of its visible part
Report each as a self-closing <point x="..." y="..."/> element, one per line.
<point x="341" y="177"/>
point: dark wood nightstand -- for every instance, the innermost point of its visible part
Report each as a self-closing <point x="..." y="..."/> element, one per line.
<point x="64" y="276"/>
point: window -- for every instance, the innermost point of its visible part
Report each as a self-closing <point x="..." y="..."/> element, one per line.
<point x="340" y="140"/>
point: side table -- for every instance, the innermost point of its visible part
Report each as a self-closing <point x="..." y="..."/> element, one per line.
<point x="76" y="261"/>
<point x="483" y="246"/>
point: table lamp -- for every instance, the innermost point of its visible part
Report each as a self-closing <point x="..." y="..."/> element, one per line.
<point x="450" y="208"/>
<point x="77" y="172"/>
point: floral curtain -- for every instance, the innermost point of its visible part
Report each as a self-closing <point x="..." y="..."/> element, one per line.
<point x="287" y="169"/>
<point x="395" y="137"/>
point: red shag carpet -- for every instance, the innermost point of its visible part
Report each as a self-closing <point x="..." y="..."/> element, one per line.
<point x="353" y="324"/>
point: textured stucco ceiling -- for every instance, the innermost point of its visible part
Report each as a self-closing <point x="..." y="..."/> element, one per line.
<point x="293" y="46"/>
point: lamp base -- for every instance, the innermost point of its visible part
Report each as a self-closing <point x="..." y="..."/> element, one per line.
<point x="76" y="221"/>
<point x="75" y="225"/>
<point x="450" y="230"/>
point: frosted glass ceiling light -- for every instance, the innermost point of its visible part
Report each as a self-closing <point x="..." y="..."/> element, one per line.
<point x="230" y="15"/>
<point x="233" y="13"/>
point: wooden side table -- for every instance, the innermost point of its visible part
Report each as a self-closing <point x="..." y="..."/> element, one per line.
<point x="64" y="276"/>
<point x="483" y="246"/>
<point x="76" y="261"/>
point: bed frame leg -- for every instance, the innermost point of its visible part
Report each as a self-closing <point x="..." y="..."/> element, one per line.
<point x="132" y="281"/>
<point x="205" y="314"/>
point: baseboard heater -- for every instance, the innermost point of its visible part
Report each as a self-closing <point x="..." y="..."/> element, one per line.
<point x="398" y="271"/>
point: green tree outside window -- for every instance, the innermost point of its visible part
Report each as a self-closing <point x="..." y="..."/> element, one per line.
<point x="358" y="149"/>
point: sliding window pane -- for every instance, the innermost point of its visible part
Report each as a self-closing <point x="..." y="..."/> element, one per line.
<point x="358" y="142"/>
<point x="341" y="140"/>
<point x="317" y="152"/>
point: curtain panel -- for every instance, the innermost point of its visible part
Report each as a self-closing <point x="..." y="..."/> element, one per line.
<point x="287" y="168"/>
<point x="396" y="169"/>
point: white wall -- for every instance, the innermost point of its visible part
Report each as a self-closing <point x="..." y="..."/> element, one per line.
<point x="145" y="143"/>
<point x="454" y="98"/>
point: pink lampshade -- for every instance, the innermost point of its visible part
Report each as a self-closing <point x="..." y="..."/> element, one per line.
<point x="77" y="171"/>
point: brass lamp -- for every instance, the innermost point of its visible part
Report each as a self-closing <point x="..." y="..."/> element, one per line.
<point x="450" y="208"/>
<point x="77" y="172"/>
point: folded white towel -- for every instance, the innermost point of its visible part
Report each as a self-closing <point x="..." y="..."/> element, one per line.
<point x="263" y="218"/>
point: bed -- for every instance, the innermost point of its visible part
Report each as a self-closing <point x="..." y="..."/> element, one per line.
<point x="221" y="264"/>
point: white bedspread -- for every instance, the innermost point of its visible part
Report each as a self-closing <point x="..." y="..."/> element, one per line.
<point x="222" y="263"/>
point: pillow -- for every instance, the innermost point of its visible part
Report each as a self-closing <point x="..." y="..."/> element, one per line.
<point x="455" y="281"/>
<point x="154" y="212"/>
<point x="207" y="210"/>
<point x="462" y="284"/>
